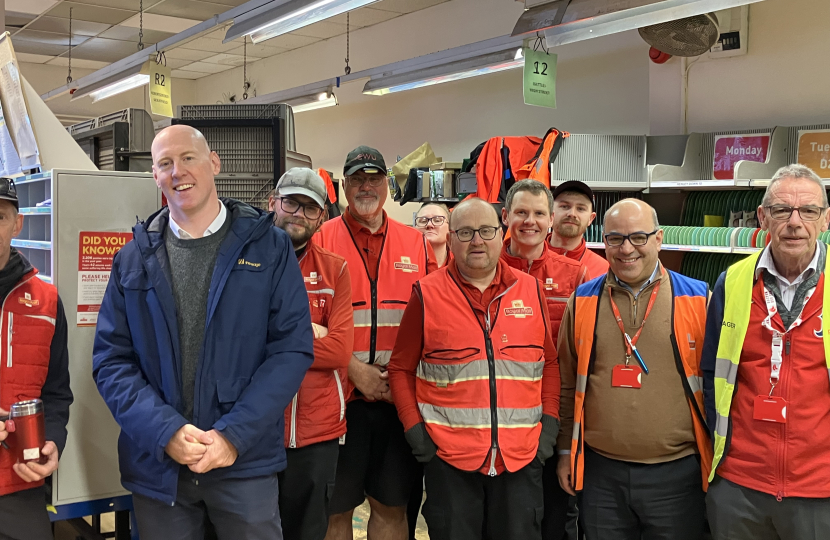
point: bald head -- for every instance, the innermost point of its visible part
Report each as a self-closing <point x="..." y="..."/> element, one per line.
<point x="179" y="134"/>
<point x="627" y="208"/>
<point x="473" y="206"/>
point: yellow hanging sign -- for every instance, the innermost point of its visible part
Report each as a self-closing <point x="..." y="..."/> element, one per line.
<point x="161" y="89"/>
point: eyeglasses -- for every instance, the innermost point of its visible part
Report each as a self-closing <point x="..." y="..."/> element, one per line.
<point x="485" y="233"/>
<point x="290" y="206"/>
<point x="782" y="212"/>
<point x="424" y="221"/>
<point x="636" y="238"/>
<point x="357" y="181"/>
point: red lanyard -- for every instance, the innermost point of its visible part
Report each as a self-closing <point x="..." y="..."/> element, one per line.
<point x="631" y="341"/>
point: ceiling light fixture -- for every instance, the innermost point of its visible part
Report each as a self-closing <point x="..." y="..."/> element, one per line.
<point x="287" y="17"/>
<point x="442" y="73"/>
<point x="128" y="79"/>
<point x="319" y="103"/>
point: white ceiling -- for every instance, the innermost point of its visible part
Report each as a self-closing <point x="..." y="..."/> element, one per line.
<point x="105" y="31"/>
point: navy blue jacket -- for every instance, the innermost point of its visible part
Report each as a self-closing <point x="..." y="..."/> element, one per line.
<point x="258" y="345"/>
<point x="708" y="358"/>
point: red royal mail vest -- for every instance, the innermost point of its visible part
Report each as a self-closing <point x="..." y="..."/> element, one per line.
<point x="27" y="325"/>
<point x="379" y="305"/>
<point x="476" y="389"/>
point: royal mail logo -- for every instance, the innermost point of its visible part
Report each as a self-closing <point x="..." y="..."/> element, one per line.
<point x="311" y="278"/>
<point x="518" y="310"/>
<point x="406" y="265"/>
<point x="26" y="300"/>
<point x="550" y="285"/>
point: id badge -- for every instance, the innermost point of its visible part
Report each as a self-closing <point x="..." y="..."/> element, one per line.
<point x="626" y="376"/>
<point x="770" y="409"/>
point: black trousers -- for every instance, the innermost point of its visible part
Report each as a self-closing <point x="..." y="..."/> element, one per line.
<point x="633" y="501"/>
<point x="460" y="504"/>
<point x="23" y="516"/>
<point x="739" y="513"/>
<point x="236" y="507"/>
<point x="306" y="487"/>
<point x="559" y="522"/>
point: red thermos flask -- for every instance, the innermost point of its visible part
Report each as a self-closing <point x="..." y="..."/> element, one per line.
<point x="28" y="434"/>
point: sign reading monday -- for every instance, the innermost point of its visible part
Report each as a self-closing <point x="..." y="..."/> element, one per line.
<point x="730" y="149"/>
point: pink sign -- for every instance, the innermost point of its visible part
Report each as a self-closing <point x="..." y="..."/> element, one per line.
<point x="730" y="149"/>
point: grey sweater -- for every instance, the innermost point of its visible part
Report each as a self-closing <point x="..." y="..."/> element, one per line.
<point x="191" y="266"/>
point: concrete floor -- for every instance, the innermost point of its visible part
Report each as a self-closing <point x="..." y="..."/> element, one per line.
<point x="64" y="531"/>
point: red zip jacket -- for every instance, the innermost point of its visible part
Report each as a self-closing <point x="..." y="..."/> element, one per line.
<point x="791" y="459"/>
<point x="595" y="264"/>
<point x="560" y="276"/>
<point x="318" y="411"/>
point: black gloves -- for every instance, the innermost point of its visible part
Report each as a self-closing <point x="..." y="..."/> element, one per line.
<point x="422" y="446"/>
<point x="547" y="437"/>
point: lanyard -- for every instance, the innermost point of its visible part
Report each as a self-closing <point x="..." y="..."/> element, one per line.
<point x="631" y="342"/>
<point x="777" y="337"/>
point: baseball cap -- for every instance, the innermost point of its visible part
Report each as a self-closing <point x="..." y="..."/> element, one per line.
<point x="303" y="181"/>
<point x="575" y="185"/>
<point x="8" y="192"/>
<point x="364" y="158"/>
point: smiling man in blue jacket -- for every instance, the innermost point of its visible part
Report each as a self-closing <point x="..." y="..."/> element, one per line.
<point x="203" y="338"/>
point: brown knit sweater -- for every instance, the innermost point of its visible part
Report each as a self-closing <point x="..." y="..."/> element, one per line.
<point x="652" y="424"/>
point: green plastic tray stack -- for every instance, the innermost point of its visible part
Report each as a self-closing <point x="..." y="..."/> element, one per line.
<point x="707" y="266"/>
<point x="719" y="203"/>
<point x="603" y="200"/>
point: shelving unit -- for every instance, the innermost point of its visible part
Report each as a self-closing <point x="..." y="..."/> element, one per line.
<point x="35" y="239"/>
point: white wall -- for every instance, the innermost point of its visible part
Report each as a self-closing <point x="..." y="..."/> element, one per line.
<point x="783" y="80"/>
<point x="44" y="78"/>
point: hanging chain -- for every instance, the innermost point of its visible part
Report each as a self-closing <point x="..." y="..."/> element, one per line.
<point x="69" y="74"/>
<point x="140" y="25"/>
<point x="348" y="69"/>
<point x="245" y="83"/>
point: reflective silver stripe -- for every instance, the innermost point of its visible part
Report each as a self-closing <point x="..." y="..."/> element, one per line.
<point x="581" y="383"/>
<point x="828" y="372"/>
<point x="479" y="418"/>
<point x="42" y="318"/>
<point x="695" y="383"/>
<point x="390" y="317"/>
<point x="722" y="425"/>
<point x="386" y="317"/>
<point x="381" y="357"/>
<point x="557" y="298"/>
<point x="362" y="318"/>
<point x="725" y="369"/>
<point x="479" y="369"/>
<point x="575" y="435"/>
<point x="322" y="291"/>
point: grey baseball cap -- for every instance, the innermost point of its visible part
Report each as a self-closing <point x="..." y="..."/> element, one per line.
<point x="303" y="181"/>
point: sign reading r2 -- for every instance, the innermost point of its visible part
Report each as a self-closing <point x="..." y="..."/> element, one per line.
<point x="160" y="79"/>
<point x="536" y="68"/>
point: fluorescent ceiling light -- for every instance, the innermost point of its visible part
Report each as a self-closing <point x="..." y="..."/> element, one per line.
<point x="322" y="101"/>
<point x="452" y="71"/>
<point x="128" y="79"/>
<point x="135" y="81"/>
<point x="270" y="21"/>
<point x="633" y="18"/>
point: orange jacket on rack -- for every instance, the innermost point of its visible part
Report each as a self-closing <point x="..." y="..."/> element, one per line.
<point x="689" y="298"/>
<point x="318" y="411"/>
<point x="28" y="324"/>
<point x="476" y="393"/>
<point x="490" y="165"/>
<point x="560" y="276"/>
<point x="538" y="167"/>
<point x="379" y="304"/>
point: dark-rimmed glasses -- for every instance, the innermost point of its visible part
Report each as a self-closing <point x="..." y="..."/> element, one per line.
<point x="638" y="238"/>
<point x="485" y="233"/>
<point x="290" y="206"/>
<point x="424" y="221"/>
<point x="782" y="212"/>
<point x="357" y="181"/>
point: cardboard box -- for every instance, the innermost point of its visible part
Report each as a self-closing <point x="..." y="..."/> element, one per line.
<point x="443" y="165"/>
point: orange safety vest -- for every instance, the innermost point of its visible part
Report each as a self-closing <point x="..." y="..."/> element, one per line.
<point x="379" y="304"/>
<point x="481" y="388"/>
<point x="538" y="168"/>
<point x="689" y="297"/>
<point x="28" y="319"/>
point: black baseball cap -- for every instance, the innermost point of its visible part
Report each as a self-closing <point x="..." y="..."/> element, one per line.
<point x="8" y="192"/>
<point x="574" y="185"/>
<point x="364" y="158"/>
